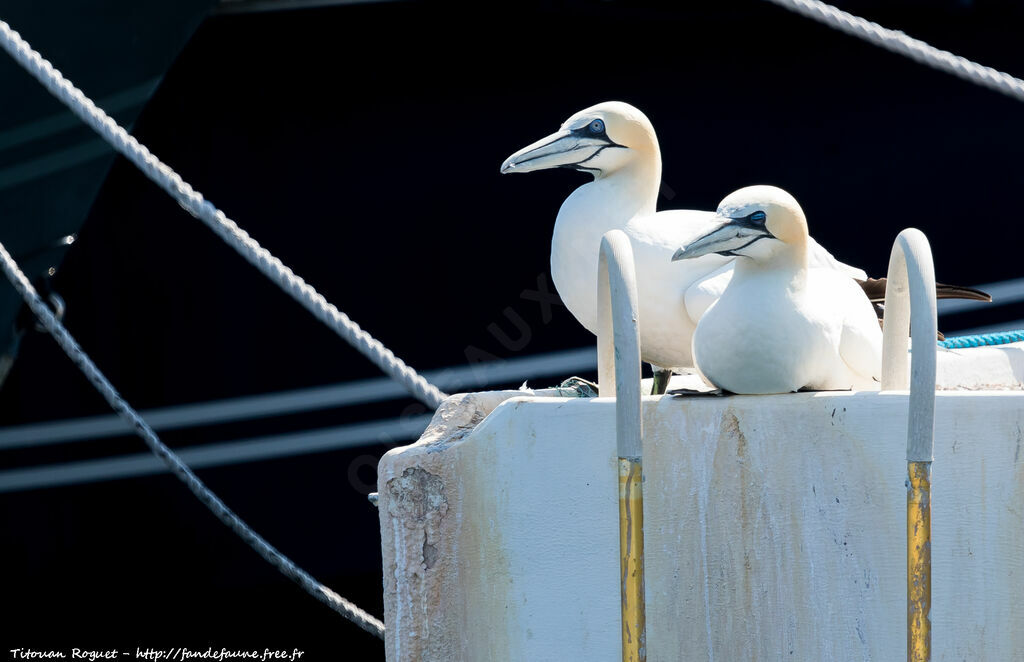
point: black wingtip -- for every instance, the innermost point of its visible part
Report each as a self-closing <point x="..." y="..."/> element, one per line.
<point x="943" y="291"/>
<point x="874" y="289"/>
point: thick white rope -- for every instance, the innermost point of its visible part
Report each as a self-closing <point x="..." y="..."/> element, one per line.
<point x="173" y="462"/>
<point x="228" y="230"/>
<point x="915" y="49"/>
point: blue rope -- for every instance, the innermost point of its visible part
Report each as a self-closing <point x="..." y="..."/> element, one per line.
<point x="1002" y="338"/>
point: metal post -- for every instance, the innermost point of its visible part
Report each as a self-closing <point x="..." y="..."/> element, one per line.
<point x="618" y="350"/>
<point x="919" y="562"/>
<point x="631" y="560"/>
<point x="910" y="302"/>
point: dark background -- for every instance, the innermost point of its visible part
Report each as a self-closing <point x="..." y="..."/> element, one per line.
<point x="361" y="145"/>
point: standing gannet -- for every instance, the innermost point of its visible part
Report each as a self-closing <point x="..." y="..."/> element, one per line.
<point x="616" y="143"/>
<point x="781" y="325"/>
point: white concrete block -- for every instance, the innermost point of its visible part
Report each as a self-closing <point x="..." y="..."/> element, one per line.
<point x="774" y="529"/>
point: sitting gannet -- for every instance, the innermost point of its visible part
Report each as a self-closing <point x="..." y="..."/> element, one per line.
<point x="616" y="143"/>
<point x="782" y="324"/>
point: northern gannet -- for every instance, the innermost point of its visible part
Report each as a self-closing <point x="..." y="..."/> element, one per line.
<point x="616" y="143"/>
<point x="781" y="325"/>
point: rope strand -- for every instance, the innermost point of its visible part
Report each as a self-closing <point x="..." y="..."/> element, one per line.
<point x="173" y="462"/>
<point x="983" y="340"/>
<point x="899" y="42"/>
<point x="196" y="205"/>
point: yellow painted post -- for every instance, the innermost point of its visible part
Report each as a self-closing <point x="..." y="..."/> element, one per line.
<point x="919" y="562"/>
<point x="631" y="560"/>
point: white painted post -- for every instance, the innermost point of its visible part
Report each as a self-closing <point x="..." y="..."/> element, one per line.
<point x="618" y="350"/>
<point x="618" y="339"/>
<point x="911" y="272"/>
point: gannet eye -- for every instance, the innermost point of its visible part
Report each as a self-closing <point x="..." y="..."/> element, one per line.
<point x="596" y="127"/>
<point x="757" y="217"/>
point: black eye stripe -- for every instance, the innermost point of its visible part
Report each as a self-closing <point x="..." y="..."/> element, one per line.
<point x="732" y="251"/>
<point x="753" y="221"/>
<point x="754" y="218"/>
<point x="758" y="216"/>
<point x="587" y="132"/>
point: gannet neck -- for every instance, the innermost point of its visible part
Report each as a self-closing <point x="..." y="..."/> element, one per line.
<point x="784" y="260"/>
<point x="789" y="258"/>
<point x="789" y="266"/>
<point x="797" y="254"/>
<point x="611" y="201"/>
<point x="639" y="180"/>
<point x="614" y="197"/>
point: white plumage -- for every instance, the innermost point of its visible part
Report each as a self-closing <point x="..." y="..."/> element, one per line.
<point x="617" y="144"/>
<point x="781" y="324"/>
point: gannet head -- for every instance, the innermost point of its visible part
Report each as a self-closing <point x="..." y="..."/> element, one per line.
<point x="600" y="140"/>
<point x="757" y="222"/>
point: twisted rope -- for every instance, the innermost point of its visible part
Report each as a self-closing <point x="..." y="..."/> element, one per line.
<point x="982" y="340"/>
<point x="195" y="204"/>
<point x="898" y="42"/>
<point x="173" y="462"/>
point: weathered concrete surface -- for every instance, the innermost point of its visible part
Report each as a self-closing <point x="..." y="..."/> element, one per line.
<point x="981" y="368"/>
<point x="471" y="570"/>
<point x="774" y="529"/>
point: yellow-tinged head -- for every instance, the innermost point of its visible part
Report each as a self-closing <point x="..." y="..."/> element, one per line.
<point x="757" y="222"/>
<point x="601" y="139"/>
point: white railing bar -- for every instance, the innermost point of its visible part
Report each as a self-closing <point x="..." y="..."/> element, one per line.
<point x="1003" y="292"/>
<point x="215" y="455"/>
<point x="300" y="400"/>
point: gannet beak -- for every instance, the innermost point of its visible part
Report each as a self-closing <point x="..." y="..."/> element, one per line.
<point x="681" y="254"/>
<point x="731" y="236"/>
<point x="565" y="149"/>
